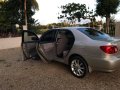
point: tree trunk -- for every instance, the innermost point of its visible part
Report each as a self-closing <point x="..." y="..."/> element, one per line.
<point x="108" y="24"/>
<point x="25" y="12"/>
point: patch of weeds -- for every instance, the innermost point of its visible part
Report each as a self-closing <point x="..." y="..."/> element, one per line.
<point x="18" y="60"/>
<point x="5" y="63"/>
<point x="11" y="86"/>
<point x="2" y="60"/>
<point x="26" y="68"/>
<point x="8" y="65"/>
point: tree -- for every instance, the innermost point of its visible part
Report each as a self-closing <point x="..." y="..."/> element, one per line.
<point x="34" y="6"/>
<point x="105" y="8"/>
<point x="3" y="22"/>
<point x="2" y="12"/>
<point x="14" y="11"/>
<point x="73" y="11"/>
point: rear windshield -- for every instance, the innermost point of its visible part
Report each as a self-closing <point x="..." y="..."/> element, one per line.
<point x="95" y="34"/>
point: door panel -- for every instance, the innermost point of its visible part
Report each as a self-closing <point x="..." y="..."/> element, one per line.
<point x="48" y="45"/>
<point x="48" y="50"/>
<point x="29" y="42"/>
<point x="29" y="50"/>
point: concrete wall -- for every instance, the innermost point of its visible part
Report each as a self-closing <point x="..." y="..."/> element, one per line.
<point x="117" y="29"/>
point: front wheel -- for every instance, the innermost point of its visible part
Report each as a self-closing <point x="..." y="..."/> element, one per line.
<point x="78" y="67"/>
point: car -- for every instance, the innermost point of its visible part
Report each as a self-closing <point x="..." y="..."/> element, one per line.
<point x="84" y="49"/>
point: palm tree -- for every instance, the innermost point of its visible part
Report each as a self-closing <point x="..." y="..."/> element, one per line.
<point x="35" y="6"/>
<point x="105" y="8"/>
<point x="19" y="11"/>
<point x="12" y="12"/>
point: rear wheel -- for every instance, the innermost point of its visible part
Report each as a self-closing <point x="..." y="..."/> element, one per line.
<point x="78" y="67"/>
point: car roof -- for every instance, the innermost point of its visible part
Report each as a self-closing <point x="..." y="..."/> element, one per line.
<point x="71" y="28"/>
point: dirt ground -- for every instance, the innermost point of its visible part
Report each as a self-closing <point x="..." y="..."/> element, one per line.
<point x="13" y="42"/>
<point x="16" y="74"/>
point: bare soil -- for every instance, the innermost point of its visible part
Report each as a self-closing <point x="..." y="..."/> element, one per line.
<point x="16" y="74"/>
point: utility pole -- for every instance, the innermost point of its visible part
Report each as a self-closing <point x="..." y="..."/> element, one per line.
<point x="25" y="27"/>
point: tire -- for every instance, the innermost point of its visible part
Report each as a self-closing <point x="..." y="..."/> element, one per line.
<point x="78" y="67"/>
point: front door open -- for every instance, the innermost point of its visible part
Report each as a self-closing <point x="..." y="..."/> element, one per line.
<point x="29" y="42"/>
<point x="44" y="47"/>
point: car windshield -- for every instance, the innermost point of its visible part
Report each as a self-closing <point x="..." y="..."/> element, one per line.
<point x="95" y="34"/>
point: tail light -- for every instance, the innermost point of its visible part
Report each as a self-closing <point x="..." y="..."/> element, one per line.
<point x="109" y="49"/>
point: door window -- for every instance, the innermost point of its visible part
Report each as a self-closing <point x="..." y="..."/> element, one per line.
<point x="29" y="36"/>
<point x="48" y="36"/>
<point x="95" y="34"/>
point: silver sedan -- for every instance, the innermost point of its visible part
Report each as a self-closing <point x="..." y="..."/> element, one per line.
<point x="84" y="49"/>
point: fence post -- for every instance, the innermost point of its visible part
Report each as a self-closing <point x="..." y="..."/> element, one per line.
<point x="117" y="29"/>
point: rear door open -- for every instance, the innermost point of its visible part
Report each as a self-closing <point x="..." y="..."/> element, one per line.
<point x="47" y="45"/>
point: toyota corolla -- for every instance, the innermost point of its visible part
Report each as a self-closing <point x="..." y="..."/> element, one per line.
<point x="84" y="49"/>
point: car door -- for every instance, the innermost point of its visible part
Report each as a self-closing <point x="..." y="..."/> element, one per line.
<point x="47" y="45"/>
<point x="30" y="43"/>
<point x="64" y="42"/>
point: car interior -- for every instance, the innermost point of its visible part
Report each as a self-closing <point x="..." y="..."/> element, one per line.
<point x="65" y="41"/>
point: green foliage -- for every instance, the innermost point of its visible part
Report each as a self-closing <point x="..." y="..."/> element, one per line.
<point x="106" y="7"/>
<point x="73" y="10"/>
<point x="2" y="13"/>
<point x="35" y="5"/>
<point x="37" y="30"/>
<point x="57" y="25"/>
<point x="13" y="11"/>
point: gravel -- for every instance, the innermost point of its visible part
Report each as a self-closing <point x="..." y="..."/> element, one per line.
<point x="16" y="74"/>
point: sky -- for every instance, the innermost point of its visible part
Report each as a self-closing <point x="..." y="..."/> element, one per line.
<point x="49" y="9"/>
